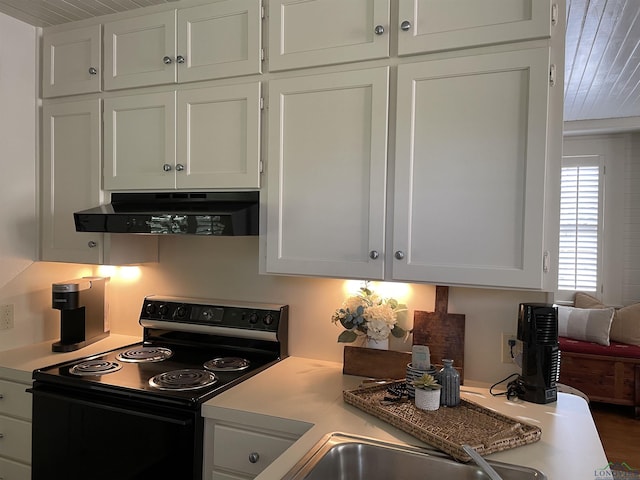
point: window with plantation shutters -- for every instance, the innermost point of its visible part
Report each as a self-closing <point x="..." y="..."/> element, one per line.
<point x="580" y="223"/>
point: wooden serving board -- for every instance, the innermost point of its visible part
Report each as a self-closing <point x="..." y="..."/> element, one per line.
<point x="369" y="362"/>
<point x="441" y="331"/>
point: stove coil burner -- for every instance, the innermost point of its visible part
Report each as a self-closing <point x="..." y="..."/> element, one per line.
<point x="181" y="380"/>
<point x="227" y="364"/>
<point x="95" y="367"/>
<point x="145" y="354"/>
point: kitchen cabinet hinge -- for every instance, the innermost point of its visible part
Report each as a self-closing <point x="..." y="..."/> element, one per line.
<point x="552" y="75"/>
<point x="262" y="11"/>
<point x="260" y="166"/>
<point x="261" y="103"/>
<point x="262" y="54"/>
<point x="545" y="262"/>
<point x="554" y="14"/>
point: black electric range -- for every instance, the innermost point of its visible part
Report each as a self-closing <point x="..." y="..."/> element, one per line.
<point x="191" y="350"/>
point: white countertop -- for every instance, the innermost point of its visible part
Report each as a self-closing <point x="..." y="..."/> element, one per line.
<point x="18" y="364"/>
<point x="310" y="391"/>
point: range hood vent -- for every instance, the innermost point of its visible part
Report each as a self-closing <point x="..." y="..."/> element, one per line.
<point x="174" y="213"/>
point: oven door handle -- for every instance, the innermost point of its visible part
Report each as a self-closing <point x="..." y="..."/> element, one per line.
<point x="103" y="405"/>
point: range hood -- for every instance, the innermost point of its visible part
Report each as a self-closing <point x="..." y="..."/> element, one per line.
<point x="177" y="213"/>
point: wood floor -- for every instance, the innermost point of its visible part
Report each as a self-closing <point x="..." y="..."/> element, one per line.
<point x="619" y="433"/>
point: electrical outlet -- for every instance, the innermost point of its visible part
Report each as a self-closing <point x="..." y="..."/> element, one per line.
<point x="507" y="349"/>
<point x="6" y="317"/>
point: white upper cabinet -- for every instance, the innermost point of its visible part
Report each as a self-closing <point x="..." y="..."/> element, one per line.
<point x="211" y="139"/>
<point x="327" y="174"/>
<point x="72" y="62"/>
<point x="71" y="171"/>
<point x="470" y="170"/>
<point x="435" y="25"/>
<point x="219" y="137"/>
<point x="140" y="141"/>
<point x="221" y="39"/>
<point x="324" y="32"/>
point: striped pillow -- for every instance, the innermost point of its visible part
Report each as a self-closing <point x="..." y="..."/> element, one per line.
<point x="587" y="324"/>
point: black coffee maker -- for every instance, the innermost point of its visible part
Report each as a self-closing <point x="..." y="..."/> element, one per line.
<point x="83" y="312"/>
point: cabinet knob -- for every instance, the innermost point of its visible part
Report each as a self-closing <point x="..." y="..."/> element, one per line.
<point x="405" y="26"/>
<point x="399" y="255"/>
<point x="166" y="60"/>
<point x="1" y="435"/>
<point x="166" y="167"/>
<point x="1" y="396"/>
<point x="179" y="167"/>
<point x="92" y="244"/>
<point x="179" y="59"/>
<point x="254" y="457"/>
<point x="373" y="254"/>
<point x="379" y="30"/>
<point x="93" y="71"/>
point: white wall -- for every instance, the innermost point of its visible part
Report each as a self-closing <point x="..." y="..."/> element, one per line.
<point x="631" y="240"/>
<point x="228" y="268"/>
<point x="18" y="73"/>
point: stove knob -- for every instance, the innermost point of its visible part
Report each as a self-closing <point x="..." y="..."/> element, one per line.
<point x="181" y="312"/>
<point x="163" y="310"/>
<point x="268" y="319"/>
<point x="253" y="318"/>
<point x="150" y="309"/>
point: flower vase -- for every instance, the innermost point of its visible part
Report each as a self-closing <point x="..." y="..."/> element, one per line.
<point x="377" y="344"/>
<point x="427" y="399"/>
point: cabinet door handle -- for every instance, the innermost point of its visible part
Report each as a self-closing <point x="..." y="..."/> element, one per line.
<point x="179" y="59"/>
<point x="92" y="244"/>
<point x="399" y="255"/>
<point x="373" y="254"/>
<point x="405" y="26"/>
<point x="166" y="167"/>
<point x="254" y="457"/>
<point x="379" y="30"/>
<point x="1" y="396"/>
<point x="179" y="167"/>
<point x="1" y="435"/>
<point x="166" y="60"/>
<point x="93" y="71"/>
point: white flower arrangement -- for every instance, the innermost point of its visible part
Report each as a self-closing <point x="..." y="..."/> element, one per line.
<point x="366" y="315"/>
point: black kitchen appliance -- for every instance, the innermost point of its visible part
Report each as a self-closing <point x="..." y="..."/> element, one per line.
<point x="174" y="213"/>
<point x="83" y="312"/>
<point x="135" y="412"/>
<point x="538" y="332"/>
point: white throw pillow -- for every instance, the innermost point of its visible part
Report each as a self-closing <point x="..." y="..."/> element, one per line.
<point x="590" y="325"/>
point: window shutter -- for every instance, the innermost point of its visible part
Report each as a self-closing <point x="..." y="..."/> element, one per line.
<point x="580" y="206"/>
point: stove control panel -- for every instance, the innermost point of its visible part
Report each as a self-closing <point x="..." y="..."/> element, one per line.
<point x="264" y="317"/>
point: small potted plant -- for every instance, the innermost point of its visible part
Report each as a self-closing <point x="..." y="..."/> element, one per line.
<point x="427" y="392"/>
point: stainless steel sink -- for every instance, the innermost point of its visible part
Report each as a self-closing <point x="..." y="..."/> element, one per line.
<point x="340" y="456"/>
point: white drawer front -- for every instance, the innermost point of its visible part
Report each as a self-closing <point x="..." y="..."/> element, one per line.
<point x="14" y="400"/>
<point x="232" y="448"/>
<point x="10" y="470"/>
<point x="15" y="439"/>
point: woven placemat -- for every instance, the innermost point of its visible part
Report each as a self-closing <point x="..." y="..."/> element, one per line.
<point x="447" y="428"/>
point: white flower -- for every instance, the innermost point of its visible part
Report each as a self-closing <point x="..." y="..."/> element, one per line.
<point x="378" y="329"/>
<point x="352" y="303"/>
<point x="382" y="312"/>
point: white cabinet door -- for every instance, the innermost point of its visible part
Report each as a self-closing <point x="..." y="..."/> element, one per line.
<point x="434" y="25"/>
<point x="140" y="145"/>
<point x="324" y="32"/>
<point x="219" y="40"/>
<point x="70" y="180"/>
<point x="327" y="174"/>
<point x="72" y="62"/>
<point x="470" y="170"/>
<point x="140" y="51"/>
<point x="219" y="137"/>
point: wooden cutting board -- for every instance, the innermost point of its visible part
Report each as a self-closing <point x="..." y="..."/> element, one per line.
<point x="441" y="331"/>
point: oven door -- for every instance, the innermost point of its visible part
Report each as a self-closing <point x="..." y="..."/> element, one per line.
<point x="78" y="435"/>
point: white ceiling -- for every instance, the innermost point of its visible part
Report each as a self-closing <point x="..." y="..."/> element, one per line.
<point x="602" y="65"/>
